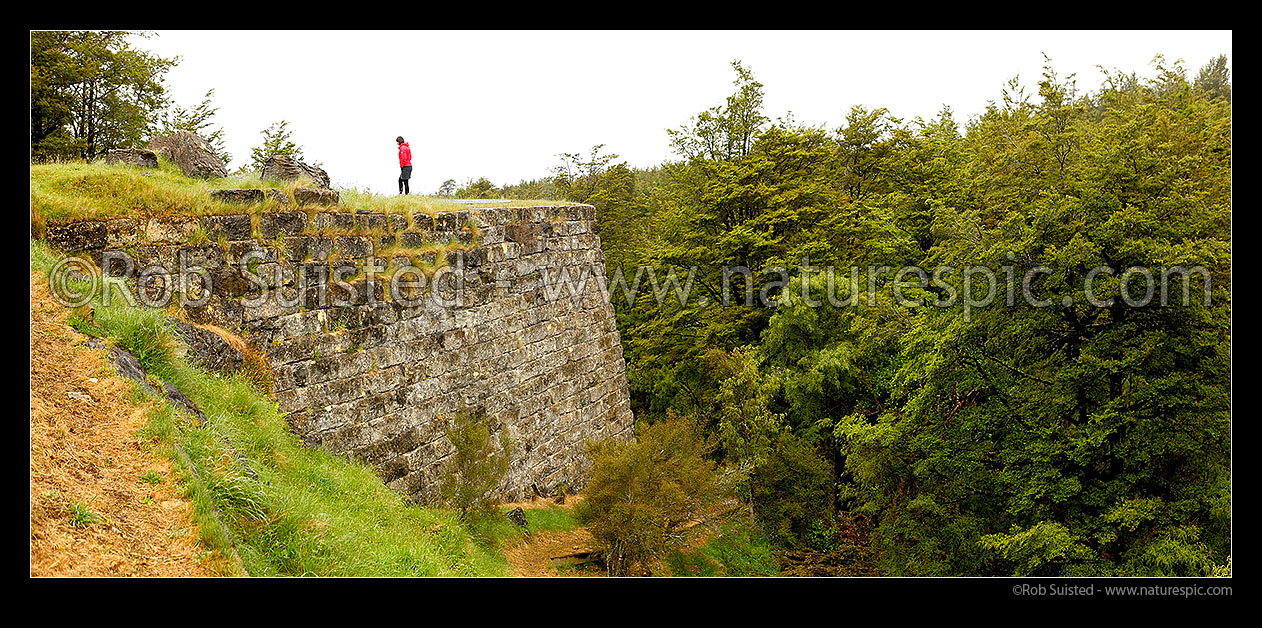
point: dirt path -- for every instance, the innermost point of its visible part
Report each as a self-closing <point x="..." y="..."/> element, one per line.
<point x="551" y="552"/>
<point x="543" y="554"/>
<point x="84" y="452"/>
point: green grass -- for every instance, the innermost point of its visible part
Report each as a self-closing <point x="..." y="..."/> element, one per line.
<point x="152" y="477"/>
<point x="77" y="190"/>
<point x="80" y="516"/>
<point x="74" y="190"/>
<point x="308" y="512"/>
<point x="740" y="549"/>
<point x="494" y="531"/>
<point x="556" y="518"/>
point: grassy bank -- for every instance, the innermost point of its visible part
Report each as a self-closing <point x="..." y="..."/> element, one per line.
<point x="77" y="191"/>
<point x="259" y="493"/>
<point x="740" y="549"/>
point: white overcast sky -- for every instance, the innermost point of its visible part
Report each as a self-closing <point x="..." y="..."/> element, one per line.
<point x="503" y="104"/>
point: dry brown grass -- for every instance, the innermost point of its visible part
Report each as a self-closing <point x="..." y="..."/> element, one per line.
<point x="87" y="453"/>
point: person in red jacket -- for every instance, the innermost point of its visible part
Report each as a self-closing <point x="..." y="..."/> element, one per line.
<point x="405" y="164"/>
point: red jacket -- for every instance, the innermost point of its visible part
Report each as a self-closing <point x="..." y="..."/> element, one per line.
<point x="405" y="155"/>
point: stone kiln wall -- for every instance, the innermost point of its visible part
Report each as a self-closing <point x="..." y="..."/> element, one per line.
<point x="362" y="373"/>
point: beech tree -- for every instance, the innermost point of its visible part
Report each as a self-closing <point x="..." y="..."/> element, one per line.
<point x="91" y="92"/>
<point x="1066" y="439"/>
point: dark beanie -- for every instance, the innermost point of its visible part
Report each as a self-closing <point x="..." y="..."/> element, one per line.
<point x="399" y="139"/>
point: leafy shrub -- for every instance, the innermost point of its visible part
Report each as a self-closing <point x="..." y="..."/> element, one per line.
<point x="647" y="496"/>
<point x="477" y="467"/>
<point x="821" y="535"/>
<point x="790" y="490"/>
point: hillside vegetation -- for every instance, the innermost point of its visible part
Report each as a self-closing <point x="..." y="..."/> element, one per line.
<point x="258" y="492"/>
<point x="1051" y="435"/>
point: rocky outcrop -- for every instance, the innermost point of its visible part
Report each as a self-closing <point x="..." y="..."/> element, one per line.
<point x="315" y="196"/>
<point x="518" y="517"/>
<point x="85" y="235"/>
<point x="208" y="349"/>
<point x="191" y="153"/>
<point x="286" y="168"/>
<point x="128" y="366"/>
<point x="132" y="156"/>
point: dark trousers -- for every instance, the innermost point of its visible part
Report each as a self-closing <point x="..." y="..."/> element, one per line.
<point x="405" y="173"/>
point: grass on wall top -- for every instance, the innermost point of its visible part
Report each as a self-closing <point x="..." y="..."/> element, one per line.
<point x="74" y="190"/>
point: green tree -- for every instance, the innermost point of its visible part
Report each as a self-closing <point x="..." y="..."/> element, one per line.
<point x="791" y="490"/>
<point x="277" y="140"/>
<point x="725" y="131"/>
<point x="92" y="92"/>
<point x="1059" y="440"/>
<point x="865" y="146"/>
<point x="1072" y="439"/>
<point x="1214" y="79"/>
<point x="476" y="467"/>
<point x="481" y="188"/>
<point x="600" y="181"/>
<point x="52" y="74"/>
<point x="448" y="188"/>
<point x="747" y="429"/>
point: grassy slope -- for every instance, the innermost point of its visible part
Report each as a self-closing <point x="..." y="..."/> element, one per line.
<point x="76" y="190"/>
<point x="740" y="549"/>
<point x="309" y="512"/>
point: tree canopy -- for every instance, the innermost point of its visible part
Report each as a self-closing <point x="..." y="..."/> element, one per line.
<point x="1082" y="435"/>
<point x="91" y="92"/>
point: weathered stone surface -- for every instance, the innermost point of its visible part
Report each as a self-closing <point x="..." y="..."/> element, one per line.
<point x="208" y="349"/>
<point x="128" y="366"/>
<point x="274" y="224"/>
<point x="445" y="221"/>
<point x="77" y="236"/>
<point x="277" y="195"/>
<point x="286" y="168"/>
<point x="171" y="229"/>
<point x="518" y="517"/>
<point x="423" y="222"/>
<point x="352" y="247"/>
<point x="229" y="226"/>
<point x="413" y="239"/>
<point x="370" y="220"/>
<point x="122" y="232"/>
<point x="191" y="153"/>
<point x="242" y="196"/>
<point x="315" y="196"/>
<point x="297" y="248"/>
<point x="228" y="282"/>
<point x="132" y="156"/>
<point x="369" y="372"/>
